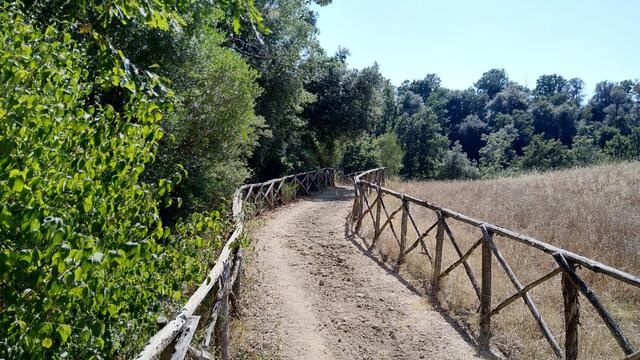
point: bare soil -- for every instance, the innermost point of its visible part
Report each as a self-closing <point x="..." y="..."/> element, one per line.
<point x="311" y="292"/>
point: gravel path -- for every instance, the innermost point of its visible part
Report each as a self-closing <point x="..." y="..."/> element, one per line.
<point x="311" y="293"/>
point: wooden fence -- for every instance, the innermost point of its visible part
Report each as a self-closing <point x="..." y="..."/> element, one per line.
<point x="370" y="182"/>
<point x="206" y="314"/>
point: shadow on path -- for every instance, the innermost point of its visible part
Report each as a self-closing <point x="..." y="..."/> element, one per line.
<point x="346" y="194"/>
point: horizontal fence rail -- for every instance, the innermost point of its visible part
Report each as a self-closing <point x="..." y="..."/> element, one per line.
<point x="373" y="208"/>
<point x="206" y="312"/>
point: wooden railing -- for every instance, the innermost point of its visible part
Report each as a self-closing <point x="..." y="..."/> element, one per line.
<point x="174" y="340"/>
<point x="572" y="284"/>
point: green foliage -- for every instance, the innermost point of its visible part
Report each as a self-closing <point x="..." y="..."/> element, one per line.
<point x="409" y="103"/>
<point x="498" y="153"/>
<point x="288" y="192"/>
<point x="585" y="151"/>
<point x="348" y="102"/>
<point x="361" y="154"/>
<point x="213" y="128"/>
<point x="86" y="263"/>
<point x="456" y="165"/>
<point x="622" y="147"/>
<point x="492" y="82"/>
<point x="469" y="132"/>
<point x="543" y="154"/>
<point x="513" y="97"/>
<point x="423" y="87"/>
<point x="422" y="141"/>
<point x="390" y="152"/>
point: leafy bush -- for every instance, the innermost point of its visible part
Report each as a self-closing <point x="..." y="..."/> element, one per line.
<point x="85" y="261"/>
<point x="213" y="125"/>
<point x="585" y="151"/>
<point x="543" y="154"/>
<point x="622" y="147"/>
<point x="497" y="154"/>
<point x="361" y="154"/>
<point x="390" y="152"/>
<point x="456" y="165"/>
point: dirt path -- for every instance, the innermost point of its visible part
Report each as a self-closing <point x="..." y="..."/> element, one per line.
<point x="310" y="293"/>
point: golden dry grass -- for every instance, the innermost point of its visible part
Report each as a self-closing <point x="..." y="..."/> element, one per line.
<point x="594" y="212"/>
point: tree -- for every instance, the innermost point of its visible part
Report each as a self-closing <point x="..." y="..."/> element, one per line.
<point x="388" y="120"/>
<point x="348" y="102"/>
<point x="423" y="87"/>
<point x="622" y="147"/>
<point x="360" y="154"/>
<point x="492" y="82"/>
<point x="498" y="152"/>
<point x="409" y="103"/>
<point x="288" y="57"/>
<point x="555" y="87"/>
<point x="390" y="152"/>
<point x="555" y="122"/>
<point x="513" y="97"/>
<point x="213" y="128"/>
<point x="422" y="141"/>
<point x="469" y="135"/>
<point x="463" y="103"/>
<point x="522" y="122"/>
<point x="585" y="151"/>
<point x="456" y="165"/>
<point x="601" y="99"/>
<point x="575" y="91"/>
<point x="543" y="154"/>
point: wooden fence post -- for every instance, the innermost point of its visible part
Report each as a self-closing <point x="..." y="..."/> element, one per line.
<point x="571" y="317"/>
<point x="235" y="282"/>
<point x="485" y="293"/>
<point x="222" y="326"/>
<point x="376" y="224"/>
<point x="360" y="208"/>
<point x="403" y="233"/>
<point x="437" y="263"/>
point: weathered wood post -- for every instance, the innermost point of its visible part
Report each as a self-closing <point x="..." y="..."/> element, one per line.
<point x="571" y="317"/>
<point x="611" y="324"/>
<point x="403" y="233"/>
<point x="235" y="282"/>
<point x="354" y="210"/>
<point x="360" y="208"/>
<point x="376" y="223"/>
<point x="222" y="326"/>
<point x="485" y="293"/>
<point x="437" y="263"/>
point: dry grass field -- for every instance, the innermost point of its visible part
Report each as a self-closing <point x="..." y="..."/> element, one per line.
<point x="594" y="212"/>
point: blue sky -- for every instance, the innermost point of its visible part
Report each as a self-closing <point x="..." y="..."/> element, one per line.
<point x="459" y="40"/>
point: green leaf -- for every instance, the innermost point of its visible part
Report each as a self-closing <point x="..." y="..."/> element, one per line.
<point x="46" y="343"/>
<point x="87" y="203"/>
<point x="18" y="184"/>
<point x="64" y="331"/>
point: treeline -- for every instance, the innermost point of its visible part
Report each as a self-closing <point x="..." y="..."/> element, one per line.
<point x="498" y="126"/>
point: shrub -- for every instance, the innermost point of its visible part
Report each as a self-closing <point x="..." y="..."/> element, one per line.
<point x="390" y="152"/>
<point x="456" y="165"/>
<point x="361" y="154"/>
<point x="543" y="154"/>
<point x="85" y="261"/>
<point x="497" y="154"/>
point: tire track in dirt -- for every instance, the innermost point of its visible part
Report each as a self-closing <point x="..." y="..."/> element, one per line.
<point x="310" y="293"/>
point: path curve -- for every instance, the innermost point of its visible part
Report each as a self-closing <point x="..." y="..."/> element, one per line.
<point x="311" y="293"/>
